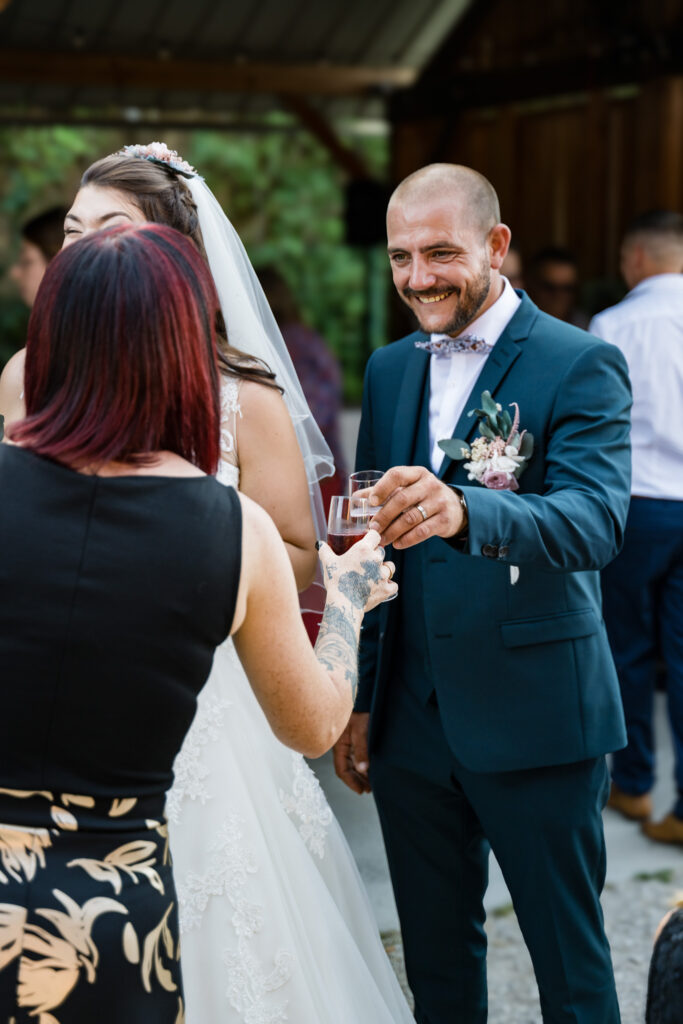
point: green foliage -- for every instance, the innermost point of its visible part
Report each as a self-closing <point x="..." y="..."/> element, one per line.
<point x="281" y="190"/>
<point x="285" y="197"/>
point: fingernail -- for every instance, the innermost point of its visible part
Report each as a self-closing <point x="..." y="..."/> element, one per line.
<point x="362" y="766"/>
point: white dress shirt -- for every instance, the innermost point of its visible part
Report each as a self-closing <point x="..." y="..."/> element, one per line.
<point x="452" y="377"/>
<point x="648" y="328"/>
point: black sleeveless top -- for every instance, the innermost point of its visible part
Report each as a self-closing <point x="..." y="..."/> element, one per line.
<point x="114" y="593"/>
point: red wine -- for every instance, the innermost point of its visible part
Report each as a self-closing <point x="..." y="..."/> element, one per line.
<point x="341" y="542"/>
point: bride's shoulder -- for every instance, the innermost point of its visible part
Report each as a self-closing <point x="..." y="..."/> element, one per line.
<point x="12" y="377"/>
<point x="260" y="400"/>
<point x="12" y="387"/>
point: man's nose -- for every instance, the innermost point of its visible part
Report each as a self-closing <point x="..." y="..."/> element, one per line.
<point x="421" y="277"/>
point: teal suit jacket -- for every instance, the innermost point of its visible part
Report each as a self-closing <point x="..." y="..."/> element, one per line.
<point x="523" y="673"/>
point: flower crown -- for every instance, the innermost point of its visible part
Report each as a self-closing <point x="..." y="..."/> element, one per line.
<point x="159" y="153"/>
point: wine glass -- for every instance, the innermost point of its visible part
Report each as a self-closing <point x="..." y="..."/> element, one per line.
<point x="348" y="521"/>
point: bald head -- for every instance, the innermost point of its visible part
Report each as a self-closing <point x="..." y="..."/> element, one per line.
<point x="466" y="189"/>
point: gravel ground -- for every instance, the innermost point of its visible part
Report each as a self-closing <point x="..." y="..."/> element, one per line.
<point x="632" y="910"/>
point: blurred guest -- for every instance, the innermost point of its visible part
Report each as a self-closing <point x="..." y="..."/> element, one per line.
<point x="316" y="367"/>
<point x="512" y="267"/>
<point x="42" y="238"/>
<point x="643" y="587"/>
<point x="665" y="982"/>
<point x="554" y="284"/>
<point x="128" y="565"/>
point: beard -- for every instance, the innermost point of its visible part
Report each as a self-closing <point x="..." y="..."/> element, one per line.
<point x="472" y="298"/>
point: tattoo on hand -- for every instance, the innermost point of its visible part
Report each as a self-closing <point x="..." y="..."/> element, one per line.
<point x="372" y="571"/>
<point x="356" y="587"/>
<point x="337" y="644"/>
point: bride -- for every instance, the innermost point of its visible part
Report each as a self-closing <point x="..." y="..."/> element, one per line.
<point x="275" y="922"/>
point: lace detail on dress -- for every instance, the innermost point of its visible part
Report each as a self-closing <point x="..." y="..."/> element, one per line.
<point x="189" y="770"/>
<point x="308" y="803"/>
<point x="229" y="866"/>
<point x="230" y="409"/>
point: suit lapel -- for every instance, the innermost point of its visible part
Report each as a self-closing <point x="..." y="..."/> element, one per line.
<point x="506" y="350"/>
<point x="408" y="402"/>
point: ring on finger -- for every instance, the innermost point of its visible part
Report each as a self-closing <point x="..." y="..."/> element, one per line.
<point x="422" y="512"/>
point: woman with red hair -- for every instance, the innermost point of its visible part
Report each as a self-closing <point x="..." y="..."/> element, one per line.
<point x="125" y="564"/>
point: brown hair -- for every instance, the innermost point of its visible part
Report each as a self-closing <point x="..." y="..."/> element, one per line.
<point x="164" y="198"/>
<point x="46" y="231"/>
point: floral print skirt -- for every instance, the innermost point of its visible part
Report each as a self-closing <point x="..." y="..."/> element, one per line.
<point x="88" y="920"/>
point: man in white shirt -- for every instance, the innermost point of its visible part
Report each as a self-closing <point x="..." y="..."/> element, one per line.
<point x="643" y="588"/>
<point x="488" y="695"/>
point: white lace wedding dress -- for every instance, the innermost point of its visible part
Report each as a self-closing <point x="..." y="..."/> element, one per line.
<point x="275" y="922"/>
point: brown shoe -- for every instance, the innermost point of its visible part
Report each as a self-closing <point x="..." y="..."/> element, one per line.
<point x="635" y="808"/>
<point x="668" y="830"/>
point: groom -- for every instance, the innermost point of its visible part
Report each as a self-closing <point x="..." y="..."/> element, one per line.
<point x="488" y="696"/>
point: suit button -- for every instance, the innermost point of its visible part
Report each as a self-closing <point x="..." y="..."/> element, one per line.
<point x="490" y="551"/>
<point x="504" y="551"/>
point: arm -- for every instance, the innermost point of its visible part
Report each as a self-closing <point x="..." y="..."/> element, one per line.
<point x="11" y="389"/>
<point x="577" y="523"/>
<point x="306" y="696"/>
<point x="272" y="473"/>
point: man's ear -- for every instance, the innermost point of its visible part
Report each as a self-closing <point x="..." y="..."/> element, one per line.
<point x="498" y="242"/>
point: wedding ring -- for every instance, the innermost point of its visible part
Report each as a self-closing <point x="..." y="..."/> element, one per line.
<point x="424" y="514"/>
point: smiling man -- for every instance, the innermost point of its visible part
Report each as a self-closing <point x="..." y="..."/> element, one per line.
<point x="488" y="696"/>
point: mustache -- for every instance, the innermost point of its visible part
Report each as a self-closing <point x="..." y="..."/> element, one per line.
<point x="410" y="293"/>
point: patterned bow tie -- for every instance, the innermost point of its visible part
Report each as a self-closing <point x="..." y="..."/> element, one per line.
<point x="442" y="345"/>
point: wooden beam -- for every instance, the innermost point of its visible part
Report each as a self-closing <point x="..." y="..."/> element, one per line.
<point x="94" y="69"/>
<point x="319" y="127"/>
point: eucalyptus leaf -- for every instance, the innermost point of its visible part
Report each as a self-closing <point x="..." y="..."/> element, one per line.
<point x="477" y="412"/>
<point x="527" y="446"/>
<point x="486" y="431"/>
<point x="506" y="422"/>
<point x="453" y="447"/>
<point x="489" y="405"/>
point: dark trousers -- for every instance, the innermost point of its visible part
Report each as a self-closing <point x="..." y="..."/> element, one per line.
<point x="643" y="609"/>
<point x="545" y="828"/>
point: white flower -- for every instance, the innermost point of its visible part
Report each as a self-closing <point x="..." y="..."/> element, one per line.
<point x="511" y="451"/>
<point x="503" y="464"/>
<point x="475" y="470"/>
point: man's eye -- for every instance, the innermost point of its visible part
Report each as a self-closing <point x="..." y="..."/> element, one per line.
<point x="399" y="257"/>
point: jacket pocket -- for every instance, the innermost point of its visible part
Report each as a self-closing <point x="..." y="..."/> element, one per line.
<point x="547" y="629"/>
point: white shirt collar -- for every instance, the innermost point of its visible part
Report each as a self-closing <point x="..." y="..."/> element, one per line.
<point x="657" y="282"/>
<point x="491" y="324"/>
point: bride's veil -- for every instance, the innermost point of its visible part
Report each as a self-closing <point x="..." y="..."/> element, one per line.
<point x="251" y="327"/>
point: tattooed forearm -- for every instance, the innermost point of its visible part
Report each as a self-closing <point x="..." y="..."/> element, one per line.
<point x="337" y="645"/>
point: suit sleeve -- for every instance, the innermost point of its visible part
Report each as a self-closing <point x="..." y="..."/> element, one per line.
<point x="578" y="522"/>
<point x="367" y="654"/>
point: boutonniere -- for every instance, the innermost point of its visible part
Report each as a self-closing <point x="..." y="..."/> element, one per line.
<point x="499" y="456"/>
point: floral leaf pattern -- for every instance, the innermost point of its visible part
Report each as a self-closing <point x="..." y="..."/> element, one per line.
<point x="22" y="851"/>
<point x="50" y="943"/>
<point x="12" y="920"/>
<point x="132" y="858"/>
<point x="159" y="941"/>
